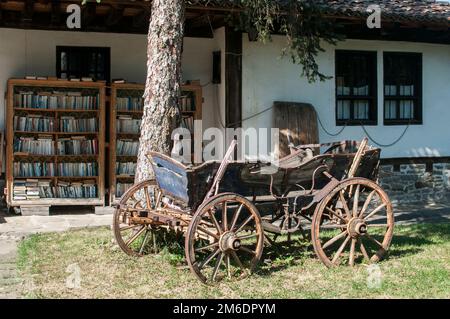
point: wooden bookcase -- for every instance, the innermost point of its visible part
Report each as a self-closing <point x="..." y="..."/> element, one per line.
<point x="87" y="101"/>
<point x="191" y="98"/>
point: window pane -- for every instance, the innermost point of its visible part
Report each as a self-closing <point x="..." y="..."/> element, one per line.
<point x="361" y="109"/>
<point x="406" y="109"/>
<point x="390" y="111"/>
<point x="407" y="90"/>
<point x="402" y="79"/>
<point x="343" y="110"/>
<point x="355" y="78"/>
<point x="390" y="90"/>
<point x="63" y="61"/>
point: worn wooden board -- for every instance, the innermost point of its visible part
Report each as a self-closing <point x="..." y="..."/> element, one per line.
<point x="298" y="121"/>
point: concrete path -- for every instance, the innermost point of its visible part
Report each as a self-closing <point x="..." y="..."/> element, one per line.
<point x="10" y="283"/>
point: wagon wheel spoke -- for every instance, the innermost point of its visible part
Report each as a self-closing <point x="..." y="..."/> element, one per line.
<point x="352" y="250"/>
<point x="248" y="250"/>
<point x="209" y="258"/>
<point x="374" y="240"/>
<point x="228" y="263"/>
<point x="247" y="236"/>
<point x="224" y="216"/>
<point x="333" y="226"/>
<point x="340" y="250"/>
<point x="135" y="236"/>
<point x="122" y="229"/>
<point x="237" y="260"/>
<point x="355" y="201"/>
<point x="236" y="216"/>
<point x="215" y="222"/>
<point x="344" y="205"/>
<point x="376" y="210"/>
<point x="144" y="241"/>
<point x="207" y="232"/>
<point x="216" y="267"/>
<point x="363" y="250"/>
<point x="244" y="223"/>
<point x="335" y="214"/>
<point x="366" y="203"/>
<point x="333" y="240"/>
<point x="213" y="245"/>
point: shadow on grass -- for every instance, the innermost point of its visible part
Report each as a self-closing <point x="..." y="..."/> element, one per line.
<point x="407" y="241"/>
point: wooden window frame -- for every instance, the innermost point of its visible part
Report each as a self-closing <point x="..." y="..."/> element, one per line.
<point x="83" y="71"/>
<point x="417" y="97"/>
<point x="373" y="87"/>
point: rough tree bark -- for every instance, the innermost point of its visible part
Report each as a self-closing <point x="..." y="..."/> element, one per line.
<point x="162" y="88"/>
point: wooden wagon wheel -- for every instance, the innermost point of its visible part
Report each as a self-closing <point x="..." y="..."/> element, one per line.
<point x="224" y="239"/>
<point x="135" y="239"/>
<point x="354" y="223"/>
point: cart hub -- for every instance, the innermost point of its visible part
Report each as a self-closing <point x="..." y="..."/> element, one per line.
<point x="357" y="227"/>
<point x="229" y="241"/>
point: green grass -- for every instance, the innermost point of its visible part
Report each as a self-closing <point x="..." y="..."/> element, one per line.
<point x="418" y="266"/>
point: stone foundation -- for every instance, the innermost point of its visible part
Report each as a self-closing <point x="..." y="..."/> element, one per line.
<point x="413" y="183"/>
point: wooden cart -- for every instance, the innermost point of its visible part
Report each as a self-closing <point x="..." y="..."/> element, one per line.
<point x="227" y="210"/>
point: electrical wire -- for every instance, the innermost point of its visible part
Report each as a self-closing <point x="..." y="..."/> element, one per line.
<point x="385" y="145"/>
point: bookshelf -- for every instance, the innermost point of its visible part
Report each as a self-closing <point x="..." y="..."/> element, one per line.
<point x="126" y="113"/>
<point x="55" y="142"/>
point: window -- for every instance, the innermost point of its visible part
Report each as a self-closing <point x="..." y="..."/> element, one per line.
<point x="77" y="62"/>
<point x="402" y="88"/>
<point x="356" y="89"/>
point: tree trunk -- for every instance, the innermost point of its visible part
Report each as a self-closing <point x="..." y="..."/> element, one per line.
<point x="162" y="88"/>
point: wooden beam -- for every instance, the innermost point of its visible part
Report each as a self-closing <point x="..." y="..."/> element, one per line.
<point x="115" y="15"/>
<point x="56" y="12"/>
<point x="28" y="10"/>
<point x="233" y="77"/>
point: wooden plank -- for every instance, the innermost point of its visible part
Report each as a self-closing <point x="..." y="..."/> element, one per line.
<point x="297" y="123"/>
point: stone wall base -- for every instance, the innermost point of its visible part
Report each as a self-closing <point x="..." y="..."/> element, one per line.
<point x="413" y="183"/>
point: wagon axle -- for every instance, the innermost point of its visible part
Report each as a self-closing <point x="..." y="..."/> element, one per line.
<point x="229" y="241"/>
<point x="357" y="227"/>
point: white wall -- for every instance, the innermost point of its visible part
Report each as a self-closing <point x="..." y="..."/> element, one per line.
<point x="268" y="78"/>
<point x="33" y="52"/>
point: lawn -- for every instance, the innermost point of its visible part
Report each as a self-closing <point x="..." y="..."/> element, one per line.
<point x="418" y="266"/>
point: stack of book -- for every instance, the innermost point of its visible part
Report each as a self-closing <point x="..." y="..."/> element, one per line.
<point x="128" y="168"/>
<point x="20" y="190"/>
<point x="130" y="103"/>
<point x="77" y="169"/>
<point x="186" y="103"/>
<point x="41" y="146"/>
<point x="188" y="122"/>
<point x="32" y="189"/>
<point x="55" y="100"/>
<point x="34" y="169"/>
<point x="77" y="145"/>
<point x="84" y="189"/>
<point x="45" y="189"/>
<point x="121" y="188"/>
<point x="126" y="124"/>
<point x="35" y="123"/>
<point x="127" y="147"/>
<point x="71" y="124"/>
